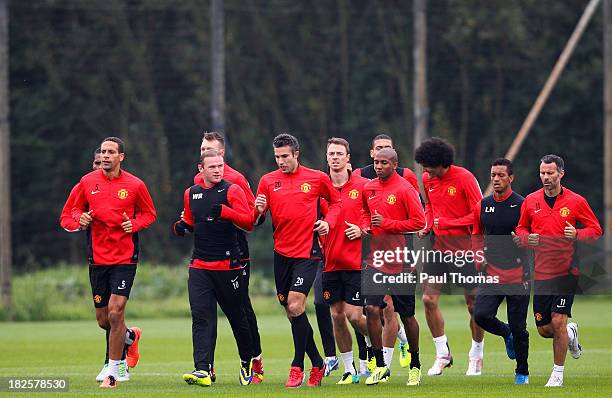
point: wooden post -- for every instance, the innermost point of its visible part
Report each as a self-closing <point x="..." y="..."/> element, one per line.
<point x="419" y="52"/>
<point x="5" y="166"/>
<point x="550" y="83"/>
<point x="607" y="188"/>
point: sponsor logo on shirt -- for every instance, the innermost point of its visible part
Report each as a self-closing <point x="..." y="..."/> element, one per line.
<point x="452" y="191"/>
<point x="305" y="187"/>
<point x="122" y="193"/>
<point x="354" y="194"/>
<point x="391" y="199"/>
<point x="564" y="211"/>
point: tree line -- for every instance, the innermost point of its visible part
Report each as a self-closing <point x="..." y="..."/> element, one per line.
<point x="82" y="70"/>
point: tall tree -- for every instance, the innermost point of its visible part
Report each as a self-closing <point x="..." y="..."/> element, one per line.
<point x="5" y="164"/>
<point x="217" y="57"/>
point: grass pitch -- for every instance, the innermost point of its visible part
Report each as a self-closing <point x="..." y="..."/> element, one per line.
<point x="75" y="350"/>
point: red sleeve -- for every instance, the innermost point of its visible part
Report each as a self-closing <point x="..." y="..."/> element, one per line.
<point x="415" y="217"/>
<point x="592" y="229"/>
<point x="146" y="209"/>
<point x="324" y="207"/>
<point x="246" y="188"/>
<point x="238" y="211"/>
<point x="472" y="196"/>
<point x="523" y="229"/>
<point x="366" y="220"/>
<point x="262" y="189"/>
<point x="187" y="216"/>
<point x="79" y="203"/>
<point x="477" y="229"/>
<point x="331" y="194"/>
<point x="67" y="220"/>
<point x="412" y="179"/>
<point x="428" y="211"/>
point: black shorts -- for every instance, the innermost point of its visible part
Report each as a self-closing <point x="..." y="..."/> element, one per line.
<point x="553" y="295"/>
<point x="436" y="267"/>
<point x="293" y="274"/>
<point x="342" y="286"/>
<point x="110" y="279"/>
<point x="403" y="305"/>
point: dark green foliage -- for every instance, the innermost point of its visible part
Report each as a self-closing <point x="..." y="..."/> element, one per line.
<point x="82" y="70"/>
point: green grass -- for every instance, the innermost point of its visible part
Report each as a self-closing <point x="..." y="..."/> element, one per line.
<point x="74" y="349"/>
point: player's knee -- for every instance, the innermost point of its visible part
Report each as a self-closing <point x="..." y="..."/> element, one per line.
<point x="294" y="309"/>
<point x="372" y="311"/>
<point x="115" y="316"/>
<point x="104" y="323"/>
<point x="544" y="331"/>
<point x="558" y="322"/>
<point x="430" y="302"/>
<point x="481" y="317"/>
<point x="338" y="317"/>
<point x="354" y="317"/>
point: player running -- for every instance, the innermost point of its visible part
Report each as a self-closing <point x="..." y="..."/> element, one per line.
<point x="292" y="194"/>
<point x="548" y="225"/>
<point x="215" y="210"/>
<point x="114" y="206"/>
<point x="495" y="219"/>
<point x="451" y="192"/>
<point x="394" y="208"/>
<point x="341" y="279"/>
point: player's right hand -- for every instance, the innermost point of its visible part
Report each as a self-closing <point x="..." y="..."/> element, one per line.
<point x="515" y="238"/>
<point x="260" y="203"/>
<point x="422" y="233"/>
<point x="352" y="231"/>
<point x="85" y="219"/>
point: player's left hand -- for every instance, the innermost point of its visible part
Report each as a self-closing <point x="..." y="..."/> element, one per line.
<point x="321" y="227"/>
<point x="352" y="231"/>
<point x="437" y="222"/>
<point x="126" y="224"/>
<point x="377" y="219"/>
<point x="570" y="231"/>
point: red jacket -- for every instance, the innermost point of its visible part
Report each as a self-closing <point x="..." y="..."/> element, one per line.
<point x="109" y="199"/>
<point x="398" y="202"/>
<point x="67" y="221"/>
<point x="555" y="254"/>
<point x="341" y="253"/>
<point x="451" y="198"/>
<point x="292" y="200"/>
<point x="238" y="213"/>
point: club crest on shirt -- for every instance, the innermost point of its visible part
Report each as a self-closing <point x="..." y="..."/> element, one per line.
<point x="305" y="187"/>
<point x="122" y="193"/>
<point x="391" y="199"/>
<point x="564" y="211"/>
<point x="452" y="191"/>
<point x="353" y="194"/>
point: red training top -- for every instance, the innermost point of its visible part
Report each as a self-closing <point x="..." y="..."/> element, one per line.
<point x="341" y="253"/>
<point x="109" y="199"/>
<point x="399" y="204"/>
<point x="451" y="198"/>
<point x="292" y="199"/>
<point x="554" y="255"/>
